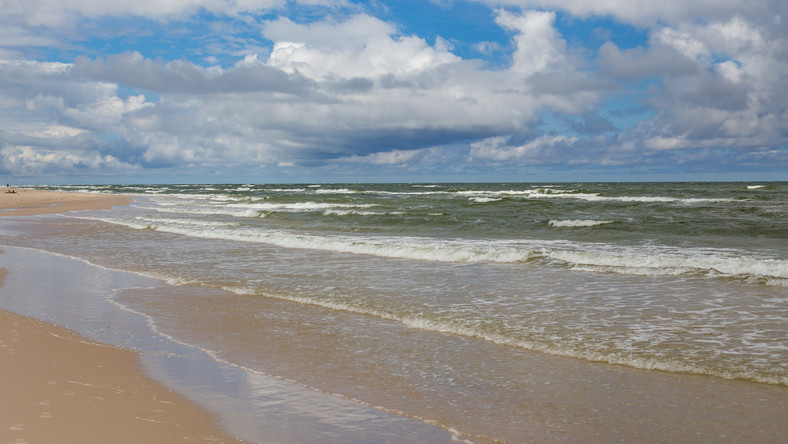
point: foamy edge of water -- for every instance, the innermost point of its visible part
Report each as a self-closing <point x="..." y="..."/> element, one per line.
<point x="420" y="323"/>
<point x="456" y="435"/>
<point x="632" y="260"/>
<point x="625" y="359"/>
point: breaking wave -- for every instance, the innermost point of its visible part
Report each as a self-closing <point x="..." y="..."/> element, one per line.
<point x="644" y="260"/>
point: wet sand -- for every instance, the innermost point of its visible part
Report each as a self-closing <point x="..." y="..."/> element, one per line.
<point x="71" y="293"/>
<point x="60" y="387"/>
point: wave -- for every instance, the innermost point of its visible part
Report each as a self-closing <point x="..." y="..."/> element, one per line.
<point x="480" y="196"/>
<point x="285" y="190"/>
<point x="224" y="198"/>
<point x="560" y="193"/>
<point x="404" y="193"/>
<point x="203" y="211"/>
<point x="187" y="222"/>
<point x="574" y="223"/>
<point x="218" y="205"/>
<point x="552" y="193"/>
<point x="335" y="191"/>
<point x="642" y="260"/>
<point x="297" y="207"/>
<point x="472" y="329"/>
<point x="334" y="212"/>
<point x="654" y="261"/>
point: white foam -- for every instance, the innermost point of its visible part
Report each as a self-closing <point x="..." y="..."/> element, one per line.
<point x="470" y="329"/>
<point x="394" y="247"/>
<point x="555" y="193"/>
<point x="636" y="260"/>
<point x="206" y="210"/>
<point x="655" y="261"/>
<point x="335" y="191"/>
<point x="296" y="207"/>
<point x="334" y="212"/>
<point x="405" y="193"/>
<point x="194" y="222"/>
<point x="646" y="260"/>
<point x="574" y="223"/>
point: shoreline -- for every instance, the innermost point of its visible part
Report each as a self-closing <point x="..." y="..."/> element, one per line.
<point x="251" y="405"/>
<point x="26" y="202"/>
<point x="83" y="298"/>
<point x="270" y="392"/>
<point x="61" y="387"/>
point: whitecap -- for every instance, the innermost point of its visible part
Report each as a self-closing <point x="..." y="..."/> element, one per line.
<point x="577" y="223"/>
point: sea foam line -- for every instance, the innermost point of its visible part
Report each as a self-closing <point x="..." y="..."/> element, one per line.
<point x="457" y="327"/>
<point x="575" y="223"/>
<point x="416" y="321"/>
<point x="457" y="435"/>
<point x="633" y="260"/>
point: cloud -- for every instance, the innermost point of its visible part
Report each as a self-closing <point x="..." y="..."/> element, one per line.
<point x="349" y="90"/>
<point x="26" y="160"/>
<point x="181" y="77"/>
<point x="736" y="93"/>
<point x="541" y="150"/>
<point x="649" y="14"/>
<point x="56" y="132"/>
<point x="353" y="32"/>
<point x="639" y="63"/>
<point x="395" y="157"/>
<point x="539" y="47"/>
<point x="65" y="12"/>
<point x="361" y="46"/>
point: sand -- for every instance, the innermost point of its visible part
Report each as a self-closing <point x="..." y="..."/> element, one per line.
<point x="23" y="202"/>
<point x="59" y="387"/>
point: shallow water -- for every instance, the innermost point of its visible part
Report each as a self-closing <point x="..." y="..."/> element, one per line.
<point x="482" y="308"/>
<point x="250" y="405"/>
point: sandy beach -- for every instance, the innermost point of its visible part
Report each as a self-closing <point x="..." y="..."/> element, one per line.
<point x="60" y="387"/>
<point x="24" y="202"/>
<point x="271" y="368"/>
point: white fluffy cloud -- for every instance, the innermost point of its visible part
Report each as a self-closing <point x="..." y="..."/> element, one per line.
<point x="539" y="47"/>
<point x="28" y="160"/>
<point x="63" y="12"/>
<point x="354" y="90"/>
<point x="542" y="150"/>
<point x="722" y="82"/>
<point x="361" y="46"/>
<point x="651" y="13"/>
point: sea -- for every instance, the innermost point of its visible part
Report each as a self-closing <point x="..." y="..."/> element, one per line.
<point x="497" y="312"/>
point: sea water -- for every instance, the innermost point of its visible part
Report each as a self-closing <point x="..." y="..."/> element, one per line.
<point x="429" y="300"/>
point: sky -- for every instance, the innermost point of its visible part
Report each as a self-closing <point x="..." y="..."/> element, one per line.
<point x="276" y="91"/>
